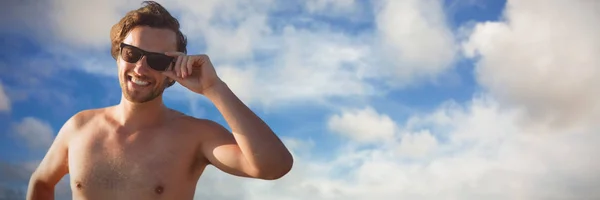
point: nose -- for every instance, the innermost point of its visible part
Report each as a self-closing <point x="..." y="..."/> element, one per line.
<point x="141" y="66"/>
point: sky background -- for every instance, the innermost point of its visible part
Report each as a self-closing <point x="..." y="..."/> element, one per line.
<point x="386" y="99"/>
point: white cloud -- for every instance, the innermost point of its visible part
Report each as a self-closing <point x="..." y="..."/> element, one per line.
<point x="71" y="33"/>
<point x="69" y="22"/>
<point x="309" y="67"/>
<point x="363" y="125"/>
<point x="544" y="57"/>
<point x="480" y="150"/>
<point x="239" y="43"/>
<point x="417" y="145"/>
<point x="295" y="65"/>
<point x="315" y="64"/>
<point x="4" y="100"/>
<point x="86" y="24"/>
<point x="35" y="133"/>
<point x="415" y="38"/>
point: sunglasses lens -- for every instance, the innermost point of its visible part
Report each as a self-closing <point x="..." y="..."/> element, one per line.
<point x="159" y="62"/>
<point x="130" y="55"/>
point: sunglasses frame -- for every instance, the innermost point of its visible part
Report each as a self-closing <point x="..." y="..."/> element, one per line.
<point x="147" y="54"/>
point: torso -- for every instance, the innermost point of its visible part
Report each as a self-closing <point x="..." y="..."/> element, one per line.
<point x="107" y="161"/>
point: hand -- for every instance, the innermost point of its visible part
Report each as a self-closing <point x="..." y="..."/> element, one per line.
<point x="195" y="72"/>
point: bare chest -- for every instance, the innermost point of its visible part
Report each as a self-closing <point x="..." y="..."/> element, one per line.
<point x="142" y="163"/>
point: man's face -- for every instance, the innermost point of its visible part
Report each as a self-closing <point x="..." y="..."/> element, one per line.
<point x="138" y="81"/>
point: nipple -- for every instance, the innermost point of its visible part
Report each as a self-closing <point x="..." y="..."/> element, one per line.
<point x="159" y="189"/>
<point x="78" y="185"/>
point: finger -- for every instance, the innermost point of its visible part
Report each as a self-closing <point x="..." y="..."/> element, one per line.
<point x="190" y="65"/>
<point x="205" y="58"/>
<point x="177" y="64"/>
<point x="182" y="67"/>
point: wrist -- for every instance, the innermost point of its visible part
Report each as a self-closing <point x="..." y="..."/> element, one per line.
<point x="216" y="90"/>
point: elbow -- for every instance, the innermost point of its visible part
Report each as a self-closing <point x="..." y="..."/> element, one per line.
<point x="39" y="189"/>
<point x="274" y="175"/>
<point x="279" y="169"/>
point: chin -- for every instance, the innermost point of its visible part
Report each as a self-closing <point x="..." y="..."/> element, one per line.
<point x="137" y="99"/>
<point x="140" y="96"/>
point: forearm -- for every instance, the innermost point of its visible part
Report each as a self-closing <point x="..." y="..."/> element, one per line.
<point x="259" y="145"/>
<point x="38" y="190"/>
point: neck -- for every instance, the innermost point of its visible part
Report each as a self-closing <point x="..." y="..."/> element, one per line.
<point x="138" y="115"/>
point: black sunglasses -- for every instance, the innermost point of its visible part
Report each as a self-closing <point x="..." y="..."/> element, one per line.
<point x="156" y="61"/>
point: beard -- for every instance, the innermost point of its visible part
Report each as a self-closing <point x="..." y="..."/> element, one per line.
<point x="141" y="97"/>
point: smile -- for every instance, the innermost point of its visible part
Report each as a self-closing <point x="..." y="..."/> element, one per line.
<point x="138" y="81"/>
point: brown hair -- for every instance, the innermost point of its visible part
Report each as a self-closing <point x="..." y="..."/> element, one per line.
<point x="153" y="15"/>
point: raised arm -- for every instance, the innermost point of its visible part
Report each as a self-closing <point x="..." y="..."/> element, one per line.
<point x="253" y="150"/>
<point x="53" y="167"/>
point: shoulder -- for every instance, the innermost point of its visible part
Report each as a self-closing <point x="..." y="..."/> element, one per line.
<point x="204" y="124"/>
<point x="201" y="127"/>
<point x="81" y="119"/>
<point x="74" y="125"/>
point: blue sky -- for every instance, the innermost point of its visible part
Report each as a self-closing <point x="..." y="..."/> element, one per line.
<point x="448" y="95"/>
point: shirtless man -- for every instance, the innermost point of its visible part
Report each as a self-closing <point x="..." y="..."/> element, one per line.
<point x="140" y="149"/>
